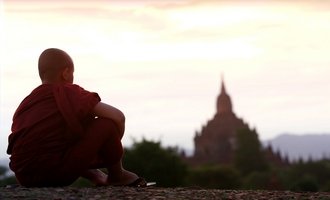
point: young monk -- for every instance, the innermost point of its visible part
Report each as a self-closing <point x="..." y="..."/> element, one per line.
<point x="61" y="132"/>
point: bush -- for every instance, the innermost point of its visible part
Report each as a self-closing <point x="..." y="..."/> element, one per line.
<point x="307" y="183"/>
<point x="218" y="177"/>
<point x="5" y="178"/>
<point x="257" y="180"/>
<point x="154" y="163"/>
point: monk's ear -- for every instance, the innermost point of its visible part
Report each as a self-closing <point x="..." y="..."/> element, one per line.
<point x="67" y="75"/>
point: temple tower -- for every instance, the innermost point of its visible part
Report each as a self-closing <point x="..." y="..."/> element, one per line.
<point x="215" y="143"/>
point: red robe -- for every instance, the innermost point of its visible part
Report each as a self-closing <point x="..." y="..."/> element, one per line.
<point x="47" y="122"/>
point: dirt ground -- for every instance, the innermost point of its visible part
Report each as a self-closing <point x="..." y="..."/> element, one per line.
<point x="154" y="193"/>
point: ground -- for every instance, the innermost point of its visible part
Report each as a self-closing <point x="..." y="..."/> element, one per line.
<point x="152" y="193"/>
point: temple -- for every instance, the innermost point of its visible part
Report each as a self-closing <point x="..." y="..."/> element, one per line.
<point x="216" y="141"/>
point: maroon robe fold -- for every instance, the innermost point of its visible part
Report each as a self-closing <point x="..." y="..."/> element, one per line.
<point x="46" y="124"/>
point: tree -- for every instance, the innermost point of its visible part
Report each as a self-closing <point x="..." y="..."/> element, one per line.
<point x="154" y="163"/>
<point x="249" y="156"/>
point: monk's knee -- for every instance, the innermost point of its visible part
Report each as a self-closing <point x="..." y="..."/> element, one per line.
<point x="104" y="128"/>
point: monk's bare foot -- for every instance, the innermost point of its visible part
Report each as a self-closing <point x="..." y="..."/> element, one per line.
<point x="122" y="179"/>
<point x="96" y="176"/>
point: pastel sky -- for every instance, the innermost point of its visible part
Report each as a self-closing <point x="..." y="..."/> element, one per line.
<point x="160" y="62"/>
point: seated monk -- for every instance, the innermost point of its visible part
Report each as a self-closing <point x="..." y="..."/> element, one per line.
<point x="61" y="132"/>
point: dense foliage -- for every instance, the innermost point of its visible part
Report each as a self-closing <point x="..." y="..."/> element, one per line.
<point x="248" y="154"/>
<point x="154" y="163"/>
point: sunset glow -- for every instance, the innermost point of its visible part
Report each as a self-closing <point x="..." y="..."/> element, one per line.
<point x="160" y="62"/>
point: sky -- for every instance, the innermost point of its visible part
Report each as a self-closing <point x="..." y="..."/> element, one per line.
<point x="161" y="62"/>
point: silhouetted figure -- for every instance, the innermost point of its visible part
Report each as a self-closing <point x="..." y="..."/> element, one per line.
<point x="61" y="132"/>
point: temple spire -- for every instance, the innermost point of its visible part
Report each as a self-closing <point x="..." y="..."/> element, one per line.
<point x="223" y="102"/>
<point x="223" y="89"/>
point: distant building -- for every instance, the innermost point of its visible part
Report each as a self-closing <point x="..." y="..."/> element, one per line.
<point x="216" y="142"/>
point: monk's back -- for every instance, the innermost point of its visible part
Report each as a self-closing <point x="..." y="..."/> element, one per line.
<point x="40" y="132"/>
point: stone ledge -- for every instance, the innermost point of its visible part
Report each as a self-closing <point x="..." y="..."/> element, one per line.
<point x="152" y="193"/>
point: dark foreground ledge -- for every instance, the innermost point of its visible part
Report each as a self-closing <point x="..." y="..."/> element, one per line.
<point x="94" y="193"/>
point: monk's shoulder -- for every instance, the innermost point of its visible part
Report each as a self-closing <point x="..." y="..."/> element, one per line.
<point x="76" y="91"/>
<point x="39" y="92"/>
<point x="75" y="88"/>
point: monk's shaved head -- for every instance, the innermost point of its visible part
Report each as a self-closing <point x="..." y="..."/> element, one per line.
<point x="52" y="63"/>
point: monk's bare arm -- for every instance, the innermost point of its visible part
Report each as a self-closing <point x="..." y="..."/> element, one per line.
<point x="110" y="112"/>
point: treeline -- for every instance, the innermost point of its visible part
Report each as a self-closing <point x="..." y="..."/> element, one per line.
<point x="250" y="170"/>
